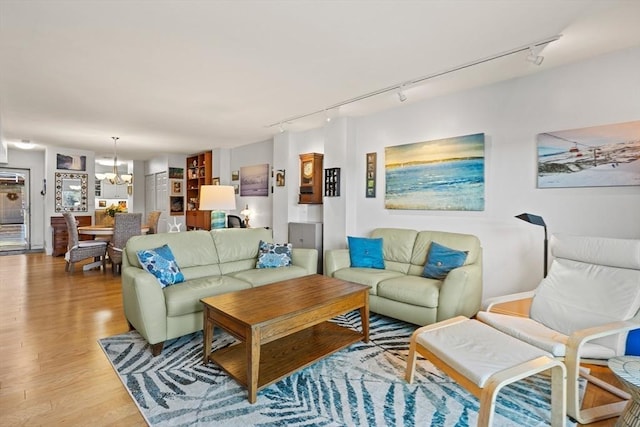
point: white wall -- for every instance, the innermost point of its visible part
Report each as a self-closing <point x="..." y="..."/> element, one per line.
<point x="591" y="93"/>
<point x="600" y="91"/>
<point x="50" y="164"/>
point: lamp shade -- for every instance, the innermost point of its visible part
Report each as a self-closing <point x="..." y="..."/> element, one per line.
<point x="217" y="198"/>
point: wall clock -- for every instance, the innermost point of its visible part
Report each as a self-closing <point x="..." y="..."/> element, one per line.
<point x="310" y="178"/>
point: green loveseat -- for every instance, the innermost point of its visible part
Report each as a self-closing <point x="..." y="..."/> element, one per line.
<point x="213" y="262"/>
<point x="400" y="291"/>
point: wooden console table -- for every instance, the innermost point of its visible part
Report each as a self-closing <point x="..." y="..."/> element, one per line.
<point x="60" y="237"/>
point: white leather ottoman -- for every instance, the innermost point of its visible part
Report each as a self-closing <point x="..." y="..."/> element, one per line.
<point x="483" y="360"/>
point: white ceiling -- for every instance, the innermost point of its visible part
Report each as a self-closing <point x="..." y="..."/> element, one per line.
<point x="184" y="76"/>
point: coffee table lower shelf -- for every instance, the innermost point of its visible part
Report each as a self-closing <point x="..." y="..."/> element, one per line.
<point x="289" y="354"/>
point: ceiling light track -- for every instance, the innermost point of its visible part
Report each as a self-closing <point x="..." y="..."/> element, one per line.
<point x="401" y="87"/>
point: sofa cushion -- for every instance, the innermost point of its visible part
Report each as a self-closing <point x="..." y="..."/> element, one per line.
<point x="461" y="242"/>
<point x="234" y="244"/>
<point x="259" y="277"/>
<point x="366" y="276"/>
<point x="191" y="248"/>
<point x="554" y="302"/>
<point x="398" y="243"/>
<point x="273" y="255"/>
<point x="184" y="298"/>
<point x="365" y="252"/>
<point x="441" y="260"/>
<point x="162" y="264"/>
<point x="412" y="290"/>
<point x="534" y="333"/>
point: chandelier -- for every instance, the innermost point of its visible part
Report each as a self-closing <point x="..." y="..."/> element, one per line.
<point x="114" y="177"/>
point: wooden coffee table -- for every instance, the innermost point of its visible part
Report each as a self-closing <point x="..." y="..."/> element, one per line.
<point x="282" y="327"/>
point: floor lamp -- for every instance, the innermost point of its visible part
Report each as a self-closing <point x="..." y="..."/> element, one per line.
<point x="217" y="199"/>
<point x="537" y="220"/>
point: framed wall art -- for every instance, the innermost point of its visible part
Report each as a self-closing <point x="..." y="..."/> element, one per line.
<point x="280" y="178"/>
<point x="598" y="156"/>
<point x="254" y="180"/>
<point x="371" y="175"/>
<point x="176" y="187"/>
<point x="176" y="205"/>
<point x="444" y="174"/>
<point x="176" y="173"/>
<point x="71" y="192"/>
<point x="332" y="182"/>
<point x="71" y="162"/>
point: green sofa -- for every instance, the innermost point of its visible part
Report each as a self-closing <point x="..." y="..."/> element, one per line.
<point x="400" y="291"/>
<point x="213" y="262"/>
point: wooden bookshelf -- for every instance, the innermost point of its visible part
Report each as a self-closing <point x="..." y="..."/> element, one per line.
<point x="199" y="173"/>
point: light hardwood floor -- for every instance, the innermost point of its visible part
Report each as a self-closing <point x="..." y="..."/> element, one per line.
<point x="52" y="370"/>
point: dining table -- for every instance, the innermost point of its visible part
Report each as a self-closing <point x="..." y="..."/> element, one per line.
<point x="104" y="230"/>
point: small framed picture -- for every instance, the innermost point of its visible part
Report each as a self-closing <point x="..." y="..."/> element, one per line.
<point x="280" y="178"/>
<point x="176" y="205"/>
<point x="216" y="180"/>
<point x="371" y="175"/>
<point x="176" y="187"/>
<point x="235" y="175"/>
<point x="236" y="188"/>
<point x="102" y="203"/>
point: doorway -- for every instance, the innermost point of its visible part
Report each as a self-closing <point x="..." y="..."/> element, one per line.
<point x="15" y="210"/>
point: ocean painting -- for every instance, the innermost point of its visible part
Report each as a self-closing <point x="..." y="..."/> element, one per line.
<point x="444" y="174"/>
<point x="254" y="180"/>
<point x="598" y="156"/>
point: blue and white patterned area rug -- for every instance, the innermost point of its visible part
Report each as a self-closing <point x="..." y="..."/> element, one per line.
<point x="362" y="385"/>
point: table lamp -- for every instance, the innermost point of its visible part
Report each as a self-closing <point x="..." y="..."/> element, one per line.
<point x="246" y="212"/>
<point x="217" y="199"/>
<point x="537" y="220"/>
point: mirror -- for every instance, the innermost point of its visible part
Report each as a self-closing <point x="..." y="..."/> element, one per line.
<point x="71" y="192"/>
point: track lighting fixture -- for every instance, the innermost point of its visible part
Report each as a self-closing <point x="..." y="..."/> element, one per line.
<point x="532" y="48"/>
<point x="401" y="96"/>
<point x="533" y="56"/>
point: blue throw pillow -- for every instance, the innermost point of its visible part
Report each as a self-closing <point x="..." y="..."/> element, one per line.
<point x="365" y="252"/>
<point x="161" y="263"/>
<point x="273" y="255"/>
<point x="441" y="260"/>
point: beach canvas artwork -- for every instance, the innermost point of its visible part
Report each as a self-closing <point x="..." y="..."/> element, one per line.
<point x="254" y="180"/>
<point x="443" y="174"/>
<point x="598" y="156"/>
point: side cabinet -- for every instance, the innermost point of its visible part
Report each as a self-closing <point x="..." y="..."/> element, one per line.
<point x="307" y="235"/>
<point x="60" y="236"/>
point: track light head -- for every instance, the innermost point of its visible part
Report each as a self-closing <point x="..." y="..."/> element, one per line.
<point x="533" y="56"/>
<point x="401" y="96"/>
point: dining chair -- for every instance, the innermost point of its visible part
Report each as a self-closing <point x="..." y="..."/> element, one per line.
<point x="125" y="225"/>
<point x="78" y="250"/>
<point x="234" y="221"/>
<point x="152" y="221"/>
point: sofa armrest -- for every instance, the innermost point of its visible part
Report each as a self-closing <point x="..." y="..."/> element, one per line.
<point x="305" y="258"/>
<point x="461" y="292"/>
<point x="335" y="259"/>
<point x="144" y="304"/>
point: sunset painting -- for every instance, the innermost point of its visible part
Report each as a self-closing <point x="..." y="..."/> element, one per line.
<point x="443" y="174"/>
